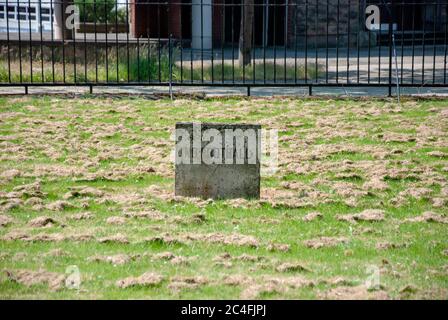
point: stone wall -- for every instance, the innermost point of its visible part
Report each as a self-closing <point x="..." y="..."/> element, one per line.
<point x="311" y="21"/>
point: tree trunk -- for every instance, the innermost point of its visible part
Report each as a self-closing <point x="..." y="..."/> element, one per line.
<point x="246" y="30"/>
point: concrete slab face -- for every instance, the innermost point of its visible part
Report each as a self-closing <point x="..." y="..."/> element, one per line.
<point x="218" y="161"/>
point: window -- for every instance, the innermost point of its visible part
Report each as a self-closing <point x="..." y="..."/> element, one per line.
<point x="11" y="12"/>
<point x="23" y="13"/>
<point x="45" y="14"/>
<point x="32" y="13"/>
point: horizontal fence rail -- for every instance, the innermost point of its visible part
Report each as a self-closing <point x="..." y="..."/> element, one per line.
<point x="224" y="43"/>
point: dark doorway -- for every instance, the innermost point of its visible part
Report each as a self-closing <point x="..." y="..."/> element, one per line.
<point x="407" y="17"/>
<point x="232" y="17"/>
<point x="418" y="15"/>
<point x="270" y="13"/>
<point x="276" y="23"/>
<point x="157" y="27"/>
<point x="186" y="19"/>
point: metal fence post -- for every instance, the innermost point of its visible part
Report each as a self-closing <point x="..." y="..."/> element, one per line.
<point x="170" y="62"/>
<point x="396" y="67"/>
<point x="390" y="50"/>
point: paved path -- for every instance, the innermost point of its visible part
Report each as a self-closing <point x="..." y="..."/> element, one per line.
<point x="219" y="91"/>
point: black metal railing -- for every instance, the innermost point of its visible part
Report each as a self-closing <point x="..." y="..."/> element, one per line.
<point x="223" y="43"/>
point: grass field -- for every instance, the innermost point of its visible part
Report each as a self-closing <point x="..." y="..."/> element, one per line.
<point x="360" y="197"/>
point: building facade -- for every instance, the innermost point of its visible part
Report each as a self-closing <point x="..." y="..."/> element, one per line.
<point x="279" y="22"/>
<point x="26" y="16"/>
<point x="203" y="24"/>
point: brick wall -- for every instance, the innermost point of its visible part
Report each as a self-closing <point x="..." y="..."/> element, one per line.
<point x="312" y="20"/>
<point x="155" y="19"/>
<point x="159" y="20"/>
<point x="166" y="19"/>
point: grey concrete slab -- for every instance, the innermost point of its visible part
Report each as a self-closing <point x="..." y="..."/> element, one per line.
<point x="218" y="161"/>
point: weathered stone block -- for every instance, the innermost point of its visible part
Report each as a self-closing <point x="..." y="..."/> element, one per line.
<point x="218" y="161"/>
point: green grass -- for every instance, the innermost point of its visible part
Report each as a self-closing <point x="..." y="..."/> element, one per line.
<point x="147" y="70"/>
<point x="61" y="142"/>
<point x="141" y="65"/>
